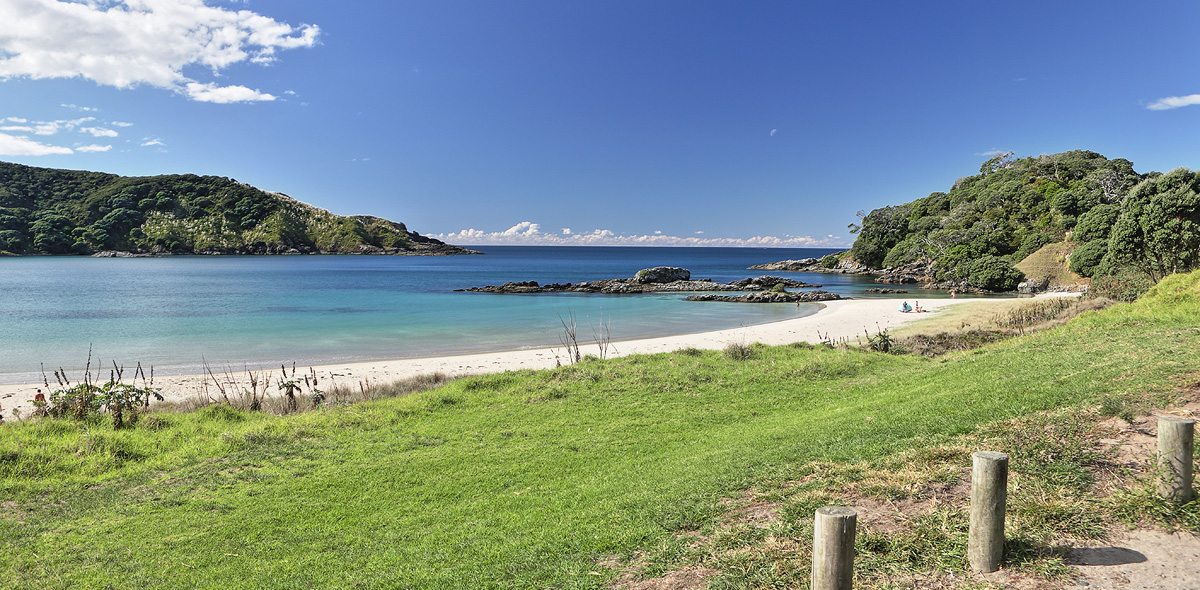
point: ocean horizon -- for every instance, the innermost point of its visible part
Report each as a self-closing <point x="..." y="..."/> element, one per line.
<point x="176" y="313"/>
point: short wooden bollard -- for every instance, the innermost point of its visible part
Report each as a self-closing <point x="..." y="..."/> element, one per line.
<point x="1175" y="437"/>
<point x="833" y="548"/>
<point x="989" y="495"/>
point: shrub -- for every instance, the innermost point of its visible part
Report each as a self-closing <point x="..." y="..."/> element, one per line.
<point x="994" y="274"/>
<point x="1085" y="260"/>
<point x="1122" y="286"/>
<point x="830" y="260"/>
<point x="738" y="351"/>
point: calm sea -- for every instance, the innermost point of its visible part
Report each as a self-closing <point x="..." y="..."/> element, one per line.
<point x="176" y="312"/>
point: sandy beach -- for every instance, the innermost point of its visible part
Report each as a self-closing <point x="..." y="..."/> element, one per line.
<point x="849" y="318"/>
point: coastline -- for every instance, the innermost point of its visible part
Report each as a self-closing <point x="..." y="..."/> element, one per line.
<point x="840" y="319"/>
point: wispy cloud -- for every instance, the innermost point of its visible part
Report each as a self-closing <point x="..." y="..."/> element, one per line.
<point x="992" y="152"/>
<point x="99" y="131"/>
<point x="16" y="141"/>
<point x="528" y="233"/>
<point x="1174" y="102"/>
<point x="125" y="43"/>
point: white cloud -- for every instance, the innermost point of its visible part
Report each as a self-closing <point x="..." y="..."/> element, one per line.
<point x="525" y="228"/>
<point x="1174" y="102"/>
<point x="224" y="94"/>
<point x="75" y="107"/>
<point x="17" y="143"/>
<point x="125" y="43"/>
<point x="151" y="142"/>
<point x="121" y="124"/>
<point x="13" y="145"/>
<point x="99" y="131"/>
<point x="566" y="231"/>
<point x="526" y="234"/>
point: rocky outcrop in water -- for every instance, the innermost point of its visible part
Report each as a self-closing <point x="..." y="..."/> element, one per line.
<point x="814" y="265"/>
<point x="662" y="274"/>
<point x="769" y="297"/>
<point x="664" y="281"/>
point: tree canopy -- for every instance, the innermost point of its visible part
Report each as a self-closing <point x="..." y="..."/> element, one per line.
<point x="1014" y="206"/>
<point x="49" y="211"/>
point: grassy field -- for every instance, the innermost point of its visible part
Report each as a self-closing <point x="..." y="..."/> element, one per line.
<point x="552" y="479"/>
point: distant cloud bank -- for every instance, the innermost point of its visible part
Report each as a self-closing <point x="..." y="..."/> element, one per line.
<point x="1174" y="102"/>
<point x="124" y="43"/>
<point x="527" y="233"/>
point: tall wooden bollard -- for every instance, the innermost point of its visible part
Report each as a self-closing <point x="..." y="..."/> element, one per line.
<point x="1175" y="437"/>
<point x="833" y="548"/>
<point x="989" y="495"/>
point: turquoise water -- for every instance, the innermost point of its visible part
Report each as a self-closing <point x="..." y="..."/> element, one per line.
<point x="177" y="312"/>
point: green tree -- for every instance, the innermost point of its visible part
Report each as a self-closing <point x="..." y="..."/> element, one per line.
<point x="1096" y="223"/>
<point x="994" y="274"/>
<point x="1158" y="231"/>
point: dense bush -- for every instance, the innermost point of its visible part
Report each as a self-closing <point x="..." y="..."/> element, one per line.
<point x="1012" y="208"/>
<point x="1096" y="224"/>
<point x="1158" y="231"/>
<point x="1086" y="259"/>
<point x="994" y="274"/>
<point x="48" y="211"/>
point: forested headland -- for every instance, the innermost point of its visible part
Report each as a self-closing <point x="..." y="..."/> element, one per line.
<point x="1110" y="223"/>
<point x="50" y="211"/>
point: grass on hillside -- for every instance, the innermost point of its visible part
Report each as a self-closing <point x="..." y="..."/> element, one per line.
<point x="567" y="478"/>
<point x="1048" y="265"/>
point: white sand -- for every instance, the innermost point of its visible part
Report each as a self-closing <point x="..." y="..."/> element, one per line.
<point x="839" y="319"/>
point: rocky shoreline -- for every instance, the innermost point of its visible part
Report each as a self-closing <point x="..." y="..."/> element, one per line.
<point x="769" y="297"/>
<point x="662" y="279"/>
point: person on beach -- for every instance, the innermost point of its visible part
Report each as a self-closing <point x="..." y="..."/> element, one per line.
<point x="918" y="308"/>
<point x="904" y="307"/>
<point x="952" y="292"/>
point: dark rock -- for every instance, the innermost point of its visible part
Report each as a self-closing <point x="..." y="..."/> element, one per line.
<point x="662" y="274"/>
<point x="814" y="265"/>
<point x="885" y="290"/>
<point x="648" y="281"/>
<point x="767" y="282"/>
<point x="769" y="297"/>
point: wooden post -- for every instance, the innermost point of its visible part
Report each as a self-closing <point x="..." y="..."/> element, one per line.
<point x="1175" y="436"/>
<point x="989" y="494"/>
<point x="833" y="548"/>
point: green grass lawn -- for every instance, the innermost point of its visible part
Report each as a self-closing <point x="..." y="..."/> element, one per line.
<point x="526" y="479"/>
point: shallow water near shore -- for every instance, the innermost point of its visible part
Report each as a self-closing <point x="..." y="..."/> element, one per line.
<point x="177" y="312"/>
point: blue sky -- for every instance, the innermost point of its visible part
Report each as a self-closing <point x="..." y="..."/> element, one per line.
<point x="595" y="122"/>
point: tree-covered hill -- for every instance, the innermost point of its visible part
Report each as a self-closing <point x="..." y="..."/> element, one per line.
<point x="49" y="211"/>
<point x="1116" y="220"/>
